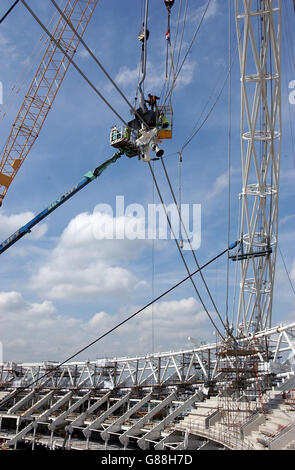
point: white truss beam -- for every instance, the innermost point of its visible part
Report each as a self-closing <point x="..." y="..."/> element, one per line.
<point x="259" y="42"/>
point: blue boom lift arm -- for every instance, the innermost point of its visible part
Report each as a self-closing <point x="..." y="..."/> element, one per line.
<point x="88" y="178"/>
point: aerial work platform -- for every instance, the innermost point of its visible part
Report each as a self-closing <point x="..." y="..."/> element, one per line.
<point x="164" y="122"/>
<point x="122" y="138"/>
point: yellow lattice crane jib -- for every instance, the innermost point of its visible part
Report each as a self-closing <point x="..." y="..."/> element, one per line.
<point x="43" y="89"/>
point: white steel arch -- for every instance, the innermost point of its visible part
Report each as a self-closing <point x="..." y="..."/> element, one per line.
<point x="259" y="41"/>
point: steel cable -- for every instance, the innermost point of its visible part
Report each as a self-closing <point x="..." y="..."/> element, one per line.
<point x="188" y="51"/>
<point x="73" y="63"/>
<point x="22" y="389"/>
<point x="8" y="11"/>
<point x="181" y="254"/>
<point x="186" y="234"/>
<point x="97" y="62"/>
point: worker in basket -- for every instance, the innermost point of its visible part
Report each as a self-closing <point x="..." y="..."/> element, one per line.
<point x="127" y="133"/>
<point x="152" y="101"/>
<point x="163" y="121"/>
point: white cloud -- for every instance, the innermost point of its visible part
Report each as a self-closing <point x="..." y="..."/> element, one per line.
<point x="288" y="174"/>
<point x="37" y="332"/>
<point x="83" y="265"/>
<point x="286" y="219"/>
<point x="84" y="54"/>
<point x="126" y="76"/>
<point x="8" y="50"/>
<point x="221" y="183"/>
<point x="186" y="75"/>
<point x="11" y="223"/>
<point x="211" y="12"/>
<point x="155" y="76"/>
<point x="31" y="331"/>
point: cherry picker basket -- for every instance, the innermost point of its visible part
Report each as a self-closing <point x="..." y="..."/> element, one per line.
<point x="164" y="122"/>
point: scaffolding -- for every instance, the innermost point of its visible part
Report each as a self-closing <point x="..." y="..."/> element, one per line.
<point x="241" y="381"/>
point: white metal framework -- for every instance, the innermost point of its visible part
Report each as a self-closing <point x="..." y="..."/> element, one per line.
<point x="170" y="369"/>
<point x="139" y="399"/>
<point x="259" y="41"/>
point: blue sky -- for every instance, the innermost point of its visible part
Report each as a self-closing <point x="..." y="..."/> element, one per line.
<point x="60" y="287"/>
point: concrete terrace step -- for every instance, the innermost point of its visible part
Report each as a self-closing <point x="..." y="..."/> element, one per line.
<point x="277" y="418"/>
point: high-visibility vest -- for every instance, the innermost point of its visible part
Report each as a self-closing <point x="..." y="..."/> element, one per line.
<point x="164" y="122"/>
<point x="127" y="133"/>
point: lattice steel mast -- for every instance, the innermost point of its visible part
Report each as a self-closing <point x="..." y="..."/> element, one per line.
<point x="43" y="90"/>
<point x="259" y="41"/>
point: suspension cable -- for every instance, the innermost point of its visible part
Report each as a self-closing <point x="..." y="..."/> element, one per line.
<point x="9" y="11"/>
<point x="187" y="237"/>
<point x="144" y="56"/>
<point x="167" y="79"/>
<point x="229" y="159"/>
<point x="181" y="254"/>
<point x="179" y="50"/>
<point x="97" y="61"/>
<point x="196" y="131"/>
<point x="188" y="51"/>
<point x="182" y="34"/>
<point x="57" y="43"/>
<point x="122" y="322"/>
<point x="24" y="74"/>
<point x="286" y="269"/>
